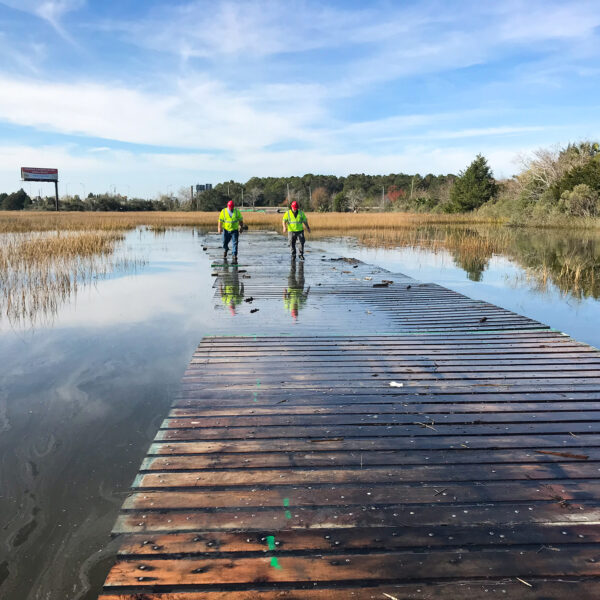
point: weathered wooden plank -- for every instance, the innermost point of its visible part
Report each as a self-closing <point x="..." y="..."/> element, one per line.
<point x="394" y="566"/>
<point x="346" y="495"/>
<point x="391" y="473"/>
<point x="381" y="419"/>
<point x="235" y="400"/>
<point x="343" y="540"/>
<point x="371" y="430"/>
<point x="432" y="442"/>
<point x="508" y="589"/>
<point x="371" y="457"/>
<point x="245" y="413"/>
<point x="488" y="514"/>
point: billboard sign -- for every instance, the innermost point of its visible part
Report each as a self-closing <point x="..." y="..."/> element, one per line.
<point x="35" y="174"/>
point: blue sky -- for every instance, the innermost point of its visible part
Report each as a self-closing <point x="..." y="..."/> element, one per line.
<point x="151" y="96"/>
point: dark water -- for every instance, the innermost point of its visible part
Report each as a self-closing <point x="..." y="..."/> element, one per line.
<point x="82" y="394"/>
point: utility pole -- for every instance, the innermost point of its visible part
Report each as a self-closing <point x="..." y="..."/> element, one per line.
<point x="382" y="196"/>
<point x="242" y="196"/>
<point x="288" y="193"/>
<point x="412" y="183"/>
<point x="56" y="193"/>
<point x="309" y="196"/>
<point x="192" y="197"/>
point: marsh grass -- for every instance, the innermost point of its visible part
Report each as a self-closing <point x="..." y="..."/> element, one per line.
<point x="567" y="258"/>
<point x="41" y="270"/>
<point x="11" y="222"/>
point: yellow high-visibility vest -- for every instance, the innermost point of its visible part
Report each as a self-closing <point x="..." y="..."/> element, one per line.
<point x="230" y="222"/>
<point x="295" y="223"/>
<point x="231" y="295"/>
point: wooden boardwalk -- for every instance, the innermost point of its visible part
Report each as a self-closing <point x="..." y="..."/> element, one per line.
<point x="437" y="461"/>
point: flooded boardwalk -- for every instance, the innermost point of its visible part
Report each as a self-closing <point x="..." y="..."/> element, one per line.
<point x="375" y="437"/>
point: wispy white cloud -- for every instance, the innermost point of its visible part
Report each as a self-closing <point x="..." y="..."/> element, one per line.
<point x="224" y="29"/>
<point x="192" y="115"/>
<point x="23" y="57"/>
<point x="51" y="11"/>
<point x="383" y="41"/>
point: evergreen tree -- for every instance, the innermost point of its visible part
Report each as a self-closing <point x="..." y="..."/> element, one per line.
<point x="16" y="201"/>
<point x="473" y="187"/>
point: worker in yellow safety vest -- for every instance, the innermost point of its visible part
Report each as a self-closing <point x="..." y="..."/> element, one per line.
<point x="294" y="221"/>
<point x="231" y="223"/>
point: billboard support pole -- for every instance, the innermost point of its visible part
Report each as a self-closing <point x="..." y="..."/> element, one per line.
<point x="56" y="193"/>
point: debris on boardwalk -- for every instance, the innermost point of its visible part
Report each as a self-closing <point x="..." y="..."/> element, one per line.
<point x="430" y="458"/>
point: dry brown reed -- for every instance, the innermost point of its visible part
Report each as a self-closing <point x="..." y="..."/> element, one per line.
<point x="40" y="270"/>
<point x="116" y="221"/>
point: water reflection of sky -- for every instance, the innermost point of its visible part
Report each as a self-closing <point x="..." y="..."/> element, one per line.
<point x="503" y="283"/>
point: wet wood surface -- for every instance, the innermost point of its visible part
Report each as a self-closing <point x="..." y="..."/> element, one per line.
<point x="442" y="460"/>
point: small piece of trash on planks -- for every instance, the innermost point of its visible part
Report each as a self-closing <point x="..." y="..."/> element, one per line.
<point x="524" y="582"/>
<point x="564" y="454"/>
<point x="396" y="384"/>
<point x="389" y="596"/>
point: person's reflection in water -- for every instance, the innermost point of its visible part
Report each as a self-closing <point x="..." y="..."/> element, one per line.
<point x="232" y="292"/>
<point x="294" y="296"/>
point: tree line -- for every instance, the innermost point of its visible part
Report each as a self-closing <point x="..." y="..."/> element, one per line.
<point x="552" y="183"/>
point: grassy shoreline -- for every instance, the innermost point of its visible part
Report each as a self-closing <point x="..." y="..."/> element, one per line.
<point x="11" y="222"/>
<point x="21" y="222"/>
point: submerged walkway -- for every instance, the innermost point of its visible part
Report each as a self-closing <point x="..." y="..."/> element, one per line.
<point x="398" y="441"/>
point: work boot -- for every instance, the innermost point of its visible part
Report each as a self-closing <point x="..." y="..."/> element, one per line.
<point x="235" y="259"/>
<point x="225" y="254"/>
<point x="302" y="257"/>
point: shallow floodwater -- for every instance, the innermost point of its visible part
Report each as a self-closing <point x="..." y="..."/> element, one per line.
<point x="84" y="390"/>
<point x="503" y="282"/>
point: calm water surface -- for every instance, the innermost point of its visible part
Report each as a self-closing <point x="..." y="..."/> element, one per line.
<point x="82" y="394"/>
<point x="503" y="282"/>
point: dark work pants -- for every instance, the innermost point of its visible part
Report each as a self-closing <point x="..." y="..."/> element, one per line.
<point x="233" y="237"/>
<point x="294" y="236"/>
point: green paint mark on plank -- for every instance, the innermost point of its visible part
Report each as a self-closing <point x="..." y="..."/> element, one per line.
<point x="286" y="502"/>
<point x="288" y="514"/>
<point x="271" y="542"/>
<point x="275" y="562"/>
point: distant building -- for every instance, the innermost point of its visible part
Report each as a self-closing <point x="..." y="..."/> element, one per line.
<point x="203" y="187"/>
<point x="208" y="186"/>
